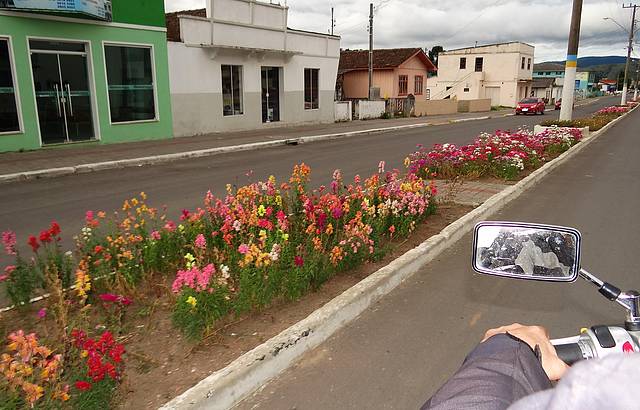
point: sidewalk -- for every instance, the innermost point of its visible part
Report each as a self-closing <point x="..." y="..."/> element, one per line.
<point x="63" y="159"/>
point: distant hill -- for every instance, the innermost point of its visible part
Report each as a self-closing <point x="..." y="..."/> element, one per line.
<point x="587" y="62"/>
<point x="605" y="66"/>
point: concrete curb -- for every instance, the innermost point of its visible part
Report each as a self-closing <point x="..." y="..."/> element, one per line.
<point x="166" y="158"/>
<point x="228" y="386"/>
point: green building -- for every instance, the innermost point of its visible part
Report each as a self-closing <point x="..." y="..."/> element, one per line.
<point x="77" y="71"/>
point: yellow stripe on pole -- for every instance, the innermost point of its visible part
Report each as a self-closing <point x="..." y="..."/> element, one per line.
<point x="572" y="64"/>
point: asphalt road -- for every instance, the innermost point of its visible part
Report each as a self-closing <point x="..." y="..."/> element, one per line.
<point x="397" y="353"/>
<point x="28" y="207"/>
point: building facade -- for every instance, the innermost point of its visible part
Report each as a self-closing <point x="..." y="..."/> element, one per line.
<point x="397" y="73"/>
<point x="500" y="72"/>
<point x="83" y="76"/>
<point x="236" y="65"/>
<point x="548" y="70"/>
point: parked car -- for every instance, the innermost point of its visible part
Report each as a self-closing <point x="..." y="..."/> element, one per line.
<point x="530" y="106"/>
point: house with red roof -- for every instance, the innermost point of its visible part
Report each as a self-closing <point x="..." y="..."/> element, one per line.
<point x="397" y="73"/>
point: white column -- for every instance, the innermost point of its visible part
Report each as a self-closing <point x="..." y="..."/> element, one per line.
<point x="568" y="90"/>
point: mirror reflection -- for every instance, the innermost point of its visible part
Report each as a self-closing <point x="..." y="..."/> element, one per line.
<point x="526" y="251"/>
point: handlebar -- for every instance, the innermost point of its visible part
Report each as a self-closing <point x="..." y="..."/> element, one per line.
<point x="569" y="353"/>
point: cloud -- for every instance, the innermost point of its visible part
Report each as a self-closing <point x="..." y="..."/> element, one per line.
<point x="420" y="23"/>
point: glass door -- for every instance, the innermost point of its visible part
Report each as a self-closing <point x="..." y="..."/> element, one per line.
<point x="75" y="88"/>
<point x="49" y="98"/>
<point x="270" y="94"/>
<point x="62" y="90"/>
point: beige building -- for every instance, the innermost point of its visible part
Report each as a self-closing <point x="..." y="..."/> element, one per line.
<point x="237" y="65"/>
<point x="500" y="72"/>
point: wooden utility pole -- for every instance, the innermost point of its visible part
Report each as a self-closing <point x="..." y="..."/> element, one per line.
<point x="629" y="49"/>
<point x="370" y="48"/>
<point x="571" y="66"/>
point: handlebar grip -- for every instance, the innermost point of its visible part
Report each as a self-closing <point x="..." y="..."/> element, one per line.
<point x="569" y="353"/>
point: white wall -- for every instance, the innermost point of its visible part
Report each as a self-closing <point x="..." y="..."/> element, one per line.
<point x="343" y="111"/>
<point x="370" y="109"/>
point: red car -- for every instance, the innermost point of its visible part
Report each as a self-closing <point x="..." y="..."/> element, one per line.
<point x="559" y="104"/>
<point x="530" y="106"/>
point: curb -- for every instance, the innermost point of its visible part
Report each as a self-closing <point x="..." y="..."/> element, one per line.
<point x="226" y="387"/>
<point x="166" y="158"/>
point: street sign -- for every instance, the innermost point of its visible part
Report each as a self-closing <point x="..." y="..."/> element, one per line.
<point x="100" y="9"/>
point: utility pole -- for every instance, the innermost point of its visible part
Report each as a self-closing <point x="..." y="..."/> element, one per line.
<point x="629" y="49"/>
<point x="571" y="66"/>
<point x="635" y="92"/>
<point x="333" y="21"/>
<point x="370" y="48"/>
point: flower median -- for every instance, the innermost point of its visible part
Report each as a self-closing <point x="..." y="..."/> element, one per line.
<point x="504" y="155"/>
<point x="260" y="243"/>
<point x="596" y="121"/>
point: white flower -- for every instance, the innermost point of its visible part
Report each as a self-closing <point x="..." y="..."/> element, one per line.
<point x="225" y="271"/>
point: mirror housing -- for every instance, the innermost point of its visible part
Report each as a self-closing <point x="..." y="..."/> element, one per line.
<point x="527" y="251"/>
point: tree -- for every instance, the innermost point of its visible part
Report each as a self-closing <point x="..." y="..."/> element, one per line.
<point x="433" y="54"/>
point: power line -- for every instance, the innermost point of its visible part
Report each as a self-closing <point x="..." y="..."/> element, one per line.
<point x="473" y="20"/>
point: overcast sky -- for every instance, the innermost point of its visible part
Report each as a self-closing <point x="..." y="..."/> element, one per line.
<point x="454" y="24"/>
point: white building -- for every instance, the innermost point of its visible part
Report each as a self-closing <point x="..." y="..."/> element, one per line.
<point x="237" y="66"/>
<point x="500" y="72"/>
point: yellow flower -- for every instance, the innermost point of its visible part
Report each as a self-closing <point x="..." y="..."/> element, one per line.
<point x="84" y="354"/>
<point x="261" y="210"/>
<point x="407" y="162"/>
<point x="285" y="237"/>
<point x="329" y="229"/>
<point x="143" y="196"/>
<point x="262" y="234"/>
<point x="278" y="200"/>
<point x="192" y="301"/>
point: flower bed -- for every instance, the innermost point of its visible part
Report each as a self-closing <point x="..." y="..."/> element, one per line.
<point x="595" y="122"/>
<point x="263" y="242"/>
<point x="502" y="155"/>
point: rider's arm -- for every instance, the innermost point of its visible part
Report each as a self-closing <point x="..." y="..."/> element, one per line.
<point x="501" y="370"/>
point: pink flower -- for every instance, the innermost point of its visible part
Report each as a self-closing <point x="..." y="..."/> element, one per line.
<point x="155" y="235"/>
<point x="111" y="298"/>
<point x="9" y="242"/>
<point x="200" y="242"/>
<point x="194" y="278"/>
<point x="42" y="313"/>
<point x="298" y="261"/>
<point x="243" y="249"/>
<point x="170" y="226"/>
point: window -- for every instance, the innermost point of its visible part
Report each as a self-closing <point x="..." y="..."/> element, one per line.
<point x="523" y="61"/>
<point x="418" y="85"/>
<point x="130" y="83"/>
<point x="8" y="102"/>
<point x="311" y="88"/>
<point x="529" y="64"/>
<point x="403" y="84"/>
<point x="479" y="63"/>
<point x="428" y="94"/>
<point x="232" y="90"/>
<point x="463" y="63"/>
<point x="466" y="89"/>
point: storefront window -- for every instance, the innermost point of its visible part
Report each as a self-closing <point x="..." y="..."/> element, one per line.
<point x="8" y="100"/>
<point x="311" y="101"/>
<point x="231" y="90"/>
<point x="130" y="80"/>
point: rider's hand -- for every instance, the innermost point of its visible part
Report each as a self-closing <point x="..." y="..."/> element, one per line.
<point x="535" y="336"/>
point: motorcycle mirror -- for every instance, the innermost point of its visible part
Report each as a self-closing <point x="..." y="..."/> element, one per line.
<point x="527" y="251"/>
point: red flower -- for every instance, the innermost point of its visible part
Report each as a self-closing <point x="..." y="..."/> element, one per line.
<point x="33" y="242"/>
<point x="54" y="229"/>
<point x="82" y="385"/>
<point x="109" y="297"/>
<point x="98" y="249"/>
<point x="45" y="236"/>
<point x="298" y="261"/>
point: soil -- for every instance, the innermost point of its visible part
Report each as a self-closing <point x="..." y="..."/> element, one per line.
<point x="162" y="364"/>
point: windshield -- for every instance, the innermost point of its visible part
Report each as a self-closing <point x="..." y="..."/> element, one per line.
<point x="529" y="101"/>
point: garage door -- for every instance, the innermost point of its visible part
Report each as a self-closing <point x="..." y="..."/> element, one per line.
<point x="494" y="94"/>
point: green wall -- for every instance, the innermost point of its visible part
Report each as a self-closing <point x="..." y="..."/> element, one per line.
<point x="18" y="28"/>
<point x="144" y="12"/>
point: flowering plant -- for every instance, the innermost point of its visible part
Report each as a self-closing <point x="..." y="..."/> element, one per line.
<point x="502" y="154"/>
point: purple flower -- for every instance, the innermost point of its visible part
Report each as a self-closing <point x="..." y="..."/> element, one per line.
<point x="42" y="313"/>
